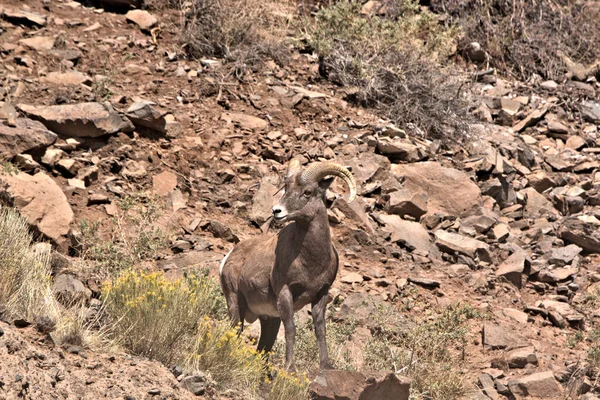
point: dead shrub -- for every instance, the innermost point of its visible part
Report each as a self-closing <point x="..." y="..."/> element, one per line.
<point x="236" y="29"/>
<point x="529" y="37"/>
<point x="393" y="63"/>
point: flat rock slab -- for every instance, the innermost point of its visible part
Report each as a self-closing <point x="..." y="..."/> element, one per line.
<point x="164" y="183"/>
<point x="565" y="310"/>
<point x="450" y="242"/>
<point x="351" y="385"/>
<point x="79" y="120"/>
<point x="39" y="43"/>
<point x="448" y="190"/>
<point x="582" y="231"/>
<point x="41" y="202"/>
<point x="541" y="385"/>
<point x="27" y="135"/>
<point x="556" y="275"/>
<point x="70" y="78"/>
<point x="245" y="121"/>
<point x="21" y="17"/>
<point x="409" y="233"/>
<point x="497" y="337"/>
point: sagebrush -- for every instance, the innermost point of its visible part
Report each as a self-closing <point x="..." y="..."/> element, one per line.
<point x="394" y="62"/>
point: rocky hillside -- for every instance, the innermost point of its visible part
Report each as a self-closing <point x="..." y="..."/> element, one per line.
<point x="120" y="150"/>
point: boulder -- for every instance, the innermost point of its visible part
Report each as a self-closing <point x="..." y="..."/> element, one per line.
<point x="448" y="190"/>
<point x="143" y="114"/>
<point x="410" y="234"/>
<point x="397" y="150"/>
<point x="264" y="200"/>
<point x="451" y="243"/>
<point x="541" y="385"/>
<point x="351" y="385"/>
<point x="514" y="266"/>
<point x="79" y="120"/>
<point x="70" y="290"/>
<point x="497" y="337"/>
<point x="41" y="202"/>
<point x="142" y="18"/>
<point x="535" y="203"/>
<point x="584" y="231"/>
<point x="405" y="202"/>
<point x="519" y="358"/>
<point x="27" y="135"/>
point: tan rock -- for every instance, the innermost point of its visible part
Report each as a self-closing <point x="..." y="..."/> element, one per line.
<point x="70" y="78"/>
<point x="79" y="120"/>
<point x="142" y="18"/>
<point x="448" y="190"/>
<point x="41" y="202"/>
<point x="26" y="135"/>
<point x="39" y="43"/>
<point x="541" y="385"/>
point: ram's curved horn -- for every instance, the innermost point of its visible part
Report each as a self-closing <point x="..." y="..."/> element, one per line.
<point x="318" y="171"/>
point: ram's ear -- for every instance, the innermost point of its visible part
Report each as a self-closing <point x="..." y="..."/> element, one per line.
<point x="326" y="182"/>
<point x="293" y="167"/>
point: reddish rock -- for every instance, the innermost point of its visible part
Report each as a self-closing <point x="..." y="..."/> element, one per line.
<point x="448" y="190"/>
<point x="41" y="202"/>
<point x="350" y="385"/>
<point x="27" y="135"/>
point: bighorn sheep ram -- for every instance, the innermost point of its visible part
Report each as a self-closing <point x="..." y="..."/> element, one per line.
<point x="273" y="276"/>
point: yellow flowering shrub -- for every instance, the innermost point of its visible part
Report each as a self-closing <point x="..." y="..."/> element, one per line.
<point x="218" y="349"/>
<point x="154" y="316"/>
<point x="288" y="385"/>
<point x="184" y="322"/>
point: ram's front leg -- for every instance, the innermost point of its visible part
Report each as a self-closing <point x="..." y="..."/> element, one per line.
<point x="285" y="307"/>
<point x="318" y="313"/>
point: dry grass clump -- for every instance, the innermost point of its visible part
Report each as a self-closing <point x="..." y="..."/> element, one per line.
<point x="394" y="63"/>
<point x="126" y="246"/>
<point x="527" y="37"/>
<point x="237" y="30"/>
<point x="26" y="286"/>
<point x="429" y="353"/>
<point x="25" y="283"/>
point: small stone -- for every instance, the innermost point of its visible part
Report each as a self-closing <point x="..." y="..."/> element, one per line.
<point x="549" y="85"/>
<point x="427" y="283"/>
<point x="142" y="18"/>
<point x="39" y="43"/>
<point x="513" y="267"/>
<point x="519" y="358"/>
<point x="575" y="142"/>
<point x="352" y="277"/>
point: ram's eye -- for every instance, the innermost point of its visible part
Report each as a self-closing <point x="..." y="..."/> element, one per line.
<point x="307" y="193"/>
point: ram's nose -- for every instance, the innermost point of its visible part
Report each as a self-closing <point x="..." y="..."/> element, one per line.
<point x="279" y="212"/>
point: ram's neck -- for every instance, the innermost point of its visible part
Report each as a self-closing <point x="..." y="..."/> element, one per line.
<point x="314" y="239"/>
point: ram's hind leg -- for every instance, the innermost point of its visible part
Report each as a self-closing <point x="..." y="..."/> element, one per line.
<point x="269" y="328"/>
<point x="237" y="307"/>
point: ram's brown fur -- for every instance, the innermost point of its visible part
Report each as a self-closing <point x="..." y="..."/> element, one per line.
<point x="272" y="276"/>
